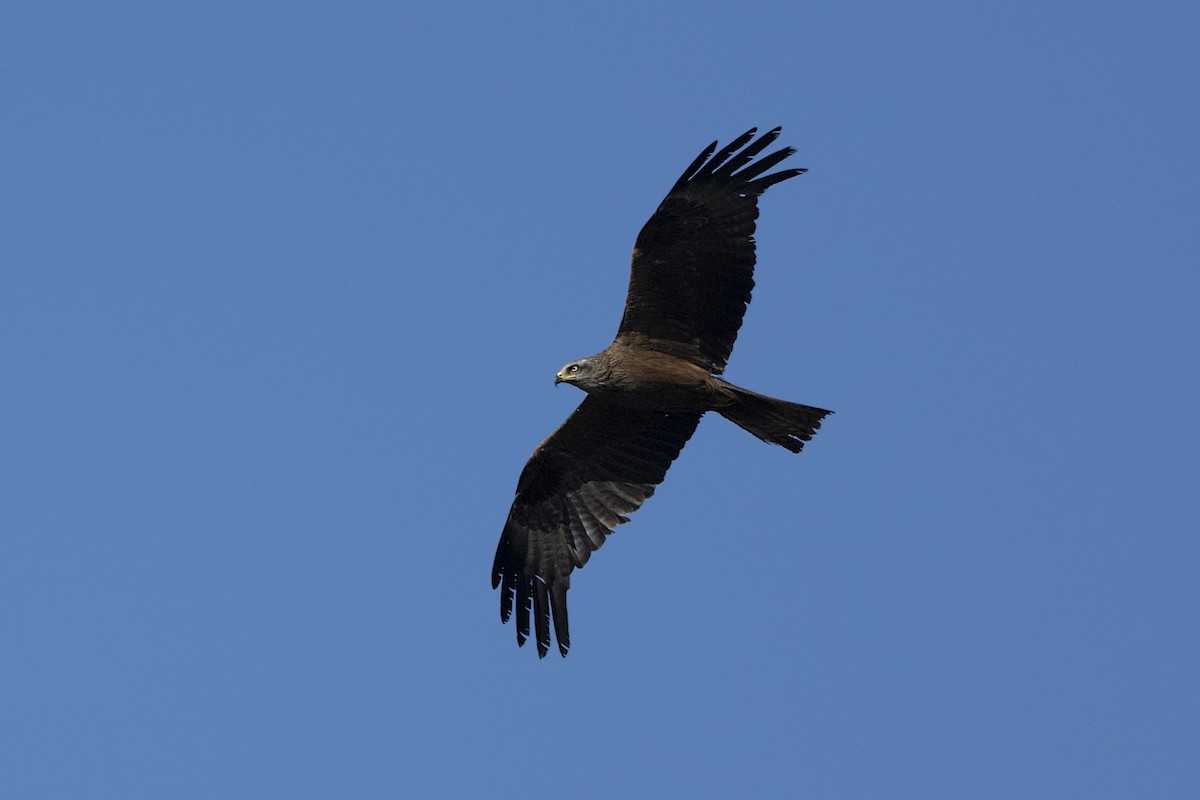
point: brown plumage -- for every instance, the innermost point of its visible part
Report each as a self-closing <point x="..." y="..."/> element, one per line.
<point x="692" y="273"/>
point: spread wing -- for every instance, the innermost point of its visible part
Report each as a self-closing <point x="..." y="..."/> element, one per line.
<point x="693" y="264"/>
<point x="600" y="465"/>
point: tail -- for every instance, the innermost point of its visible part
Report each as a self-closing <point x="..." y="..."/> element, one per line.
<point x="779" y="422"/>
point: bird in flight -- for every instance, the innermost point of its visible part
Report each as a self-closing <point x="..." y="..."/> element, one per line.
<point x="691" y="277"/>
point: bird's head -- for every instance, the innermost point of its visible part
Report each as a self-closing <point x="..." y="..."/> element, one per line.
<point x="577" y="372"/>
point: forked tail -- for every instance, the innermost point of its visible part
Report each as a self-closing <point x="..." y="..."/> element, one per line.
<point x="779" y="422"/>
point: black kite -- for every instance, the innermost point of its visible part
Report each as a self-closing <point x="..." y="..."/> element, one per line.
<point x="692" y="273"/>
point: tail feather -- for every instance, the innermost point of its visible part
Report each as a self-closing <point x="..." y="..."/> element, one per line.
<point x="779" y="422"/>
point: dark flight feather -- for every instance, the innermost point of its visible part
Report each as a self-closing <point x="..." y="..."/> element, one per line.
<point x="599" y="466"/>
<point x="693" y="264"/>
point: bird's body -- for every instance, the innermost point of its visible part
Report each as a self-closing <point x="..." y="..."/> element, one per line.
<point x="691" y="279"/>
<point x="636" y="377"/>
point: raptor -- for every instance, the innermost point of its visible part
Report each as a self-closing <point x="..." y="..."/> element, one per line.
<point x="690" y="282"/>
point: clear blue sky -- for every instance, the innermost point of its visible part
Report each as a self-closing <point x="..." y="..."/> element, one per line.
<point x="284" y="290"/>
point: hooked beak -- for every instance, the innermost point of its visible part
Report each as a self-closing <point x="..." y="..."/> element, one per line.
<point x="557" y="380"/>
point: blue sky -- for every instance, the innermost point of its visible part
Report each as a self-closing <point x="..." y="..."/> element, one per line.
<point x="285" y="289"/>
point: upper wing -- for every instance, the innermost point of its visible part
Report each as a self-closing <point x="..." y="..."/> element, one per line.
<point x="693" y="264"/>
<point x="601" y="464"/>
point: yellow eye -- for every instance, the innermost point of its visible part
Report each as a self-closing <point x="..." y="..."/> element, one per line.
<point x="573" y="369"/>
